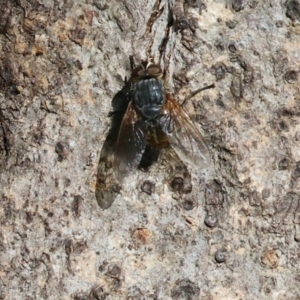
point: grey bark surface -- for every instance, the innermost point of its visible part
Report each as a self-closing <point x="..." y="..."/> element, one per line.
<point x="234" y="235"/>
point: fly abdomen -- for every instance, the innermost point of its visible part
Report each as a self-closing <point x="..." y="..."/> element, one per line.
<point x="149" y="97"/>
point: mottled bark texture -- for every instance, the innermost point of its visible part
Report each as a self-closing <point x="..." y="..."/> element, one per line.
<point x="168" y="234"/>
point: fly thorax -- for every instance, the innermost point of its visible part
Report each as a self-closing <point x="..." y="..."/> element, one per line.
<point x="149" y="97"/>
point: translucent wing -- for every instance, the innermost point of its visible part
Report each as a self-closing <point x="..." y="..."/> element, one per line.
<point x="183" y="135"/>
<point x="107" y="187"/>
<point x="131" y="143"/>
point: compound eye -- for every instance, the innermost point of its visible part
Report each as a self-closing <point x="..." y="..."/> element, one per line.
<point x="138" y="72"/>
<point x="141" y="72"/>
<point x="154" y="70"/>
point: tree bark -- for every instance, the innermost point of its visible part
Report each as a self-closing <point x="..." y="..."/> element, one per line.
<point x="168" y="234"/>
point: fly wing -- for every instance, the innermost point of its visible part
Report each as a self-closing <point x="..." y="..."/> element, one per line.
<point x="107" y="187"/>
<point x="131" y="143"/>
<point x="183" y="135"/>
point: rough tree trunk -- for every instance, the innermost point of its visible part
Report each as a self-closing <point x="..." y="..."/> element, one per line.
<point x="236" y="236"/>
